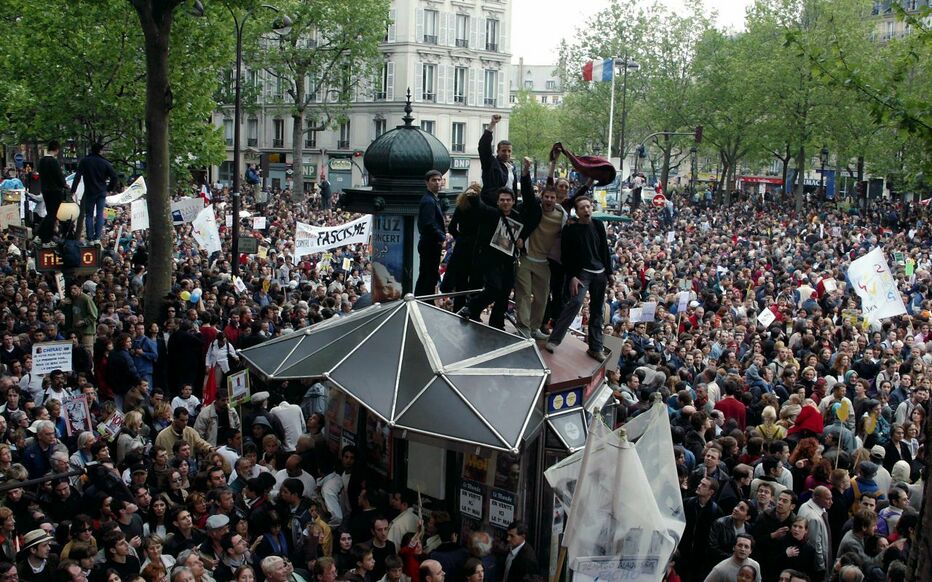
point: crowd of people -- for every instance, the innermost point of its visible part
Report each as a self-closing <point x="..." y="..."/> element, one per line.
<point x="800" y="444"/>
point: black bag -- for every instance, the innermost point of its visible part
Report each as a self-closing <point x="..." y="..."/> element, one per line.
<point x="70" y="254"/>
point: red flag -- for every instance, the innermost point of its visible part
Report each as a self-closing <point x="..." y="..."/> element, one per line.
<point x="587" y="71"/>
<point x="210" y="386"/>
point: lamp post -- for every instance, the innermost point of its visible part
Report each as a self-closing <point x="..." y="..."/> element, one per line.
<point x="633" y="66"/>
<point x="694" y="154"/>
<point x="282" y="27"/>
<point x="823" y="158"/>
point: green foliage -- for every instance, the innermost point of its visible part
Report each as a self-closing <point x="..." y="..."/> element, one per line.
<point x="533" y="128"/>
<point x="87" y="81"/>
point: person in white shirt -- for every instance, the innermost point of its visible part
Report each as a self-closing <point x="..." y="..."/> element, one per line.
<point x="406" y="521"/>
<point x="292" y="420"/>
<point x="233" y="440"/>
<point x="187" y="400"/>
<point x="293" y="470"/>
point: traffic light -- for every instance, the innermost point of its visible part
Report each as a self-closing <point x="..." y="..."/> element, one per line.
<point x="698" y="134"/>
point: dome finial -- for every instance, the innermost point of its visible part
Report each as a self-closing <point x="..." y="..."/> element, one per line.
<point x="408" y="118"/>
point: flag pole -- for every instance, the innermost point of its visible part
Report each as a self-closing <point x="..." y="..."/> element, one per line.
<point x="611" y="112"/>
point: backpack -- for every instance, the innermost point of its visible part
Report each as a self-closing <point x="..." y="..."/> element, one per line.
<point x="70" y="254"/>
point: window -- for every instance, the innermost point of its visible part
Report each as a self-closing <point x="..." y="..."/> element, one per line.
<point x="344" y="135"/>
<point x="279" y="88"/>
<point x="428" y="126"/>
<point x="279" y="139"/>
<point x="228" y="131"/>
<point x="512" y="98"/>
<point x="226" y="172"/>
<point x="529" y="84"/>
<point x="543" y="99"/>
<point x="889" y="32"/>
<point x="458" y="137"/>
<point x="431" y="17"/>
<point x="310" y="136"/>
<point x="551" y="85"/>
<point x="459" y="85"/>
<point x="380" y="126"/>
<point x="556" y="100"/>
<point x="252" y="132"/>
<point x="462" y="30"/>
<point x="383" y="84"/>
<point x="428" y="82"/>
<point x="491" y="35"/>
<point x="491" y="87"/>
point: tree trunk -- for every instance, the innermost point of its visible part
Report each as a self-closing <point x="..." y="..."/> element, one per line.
<point x="156" y="20"/>
<point x="298" y="116"/>
<point x="800" y="178"/>
<point x="665" y="168"/>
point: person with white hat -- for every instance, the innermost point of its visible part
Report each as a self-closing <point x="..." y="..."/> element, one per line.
<point x="36" y="562"/>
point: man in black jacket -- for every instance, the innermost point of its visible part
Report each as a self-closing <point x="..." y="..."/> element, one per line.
<point x="53" y="189"/>
<point x="588" y="266"/>
<point x="433" y="231"/>
<point x="99" y="177"/>
<point x="498" y="171"/>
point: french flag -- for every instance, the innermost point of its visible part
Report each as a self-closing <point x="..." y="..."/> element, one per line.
<point x="603" y="70"/>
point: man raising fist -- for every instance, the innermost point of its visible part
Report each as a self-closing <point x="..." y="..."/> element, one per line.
<point x="498" y="171"/>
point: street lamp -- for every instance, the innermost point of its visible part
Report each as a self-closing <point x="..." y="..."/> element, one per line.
<point x="282" y="26"/>
<point x="823" y="158"/>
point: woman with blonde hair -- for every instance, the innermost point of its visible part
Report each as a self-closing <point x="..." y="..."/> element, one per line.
<point x="131" y="436"/>
<point x="464" y="226"/>
<point x="769" y="429"/>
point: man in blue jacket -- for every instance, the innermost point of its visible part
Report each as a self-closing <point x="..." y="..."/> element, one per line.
<point x="433" y="231"/>
<point x="99" y="177"/>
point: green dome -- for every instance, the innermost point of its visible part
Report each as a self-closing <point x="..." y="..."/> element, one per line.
<point x="400" y="158"/>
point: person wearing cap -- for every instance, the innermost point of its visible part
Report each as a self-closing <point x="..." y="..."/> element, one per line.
<point x="433" y="233"/>
<point x="36" y="562"/>
<point x="218" y="525"/>
<point x="864" y="483"/>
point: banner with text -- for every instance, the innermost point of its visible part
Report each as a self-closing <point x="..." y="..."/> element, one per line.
<point x="313" y="239"/>
<point x="872" y="280"/>
<point x="186" y="210"/>
<point x="135" y="191"/>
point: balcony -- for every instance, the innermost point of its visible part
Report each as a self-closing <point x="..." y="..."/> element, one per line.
<point x="459" y="99"/>
<point x="430" y="39"/>
<point x="252" y="142"/>
<point x="379" y="96"/>
<point x="491" y="47"/>
<point x="278" y="143"/>
<point x="462" y="43"/>
<point x="343" y="144"/>
<point x="428" y="97"/>
<point x="458" y="147"/>
<point x="490" y="101"/>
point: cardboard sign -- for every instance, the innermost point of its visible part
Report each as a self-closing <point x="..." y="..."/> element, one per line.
<point x="9" y="215"/>
<point x="48" y="356"/>
<point x="830" y="285"/>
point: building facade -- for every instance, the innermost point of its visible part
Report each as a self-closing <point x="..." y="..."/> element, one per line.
<point x="886" y="24"/>
<point x="454" y="57"/>
<point x="540" y="81"/>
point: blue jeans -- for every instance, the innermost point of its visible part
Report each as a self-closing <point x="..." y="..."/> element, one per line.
<point x="94" y="215"/>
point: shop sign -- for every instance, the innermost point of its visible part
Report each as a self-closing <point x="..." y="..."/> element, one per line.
<point x="460" y="164"/>
<point x="341" y="165"/>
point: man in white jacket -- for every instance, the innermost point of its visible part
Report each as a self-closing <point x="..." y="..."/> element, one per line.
<point x="214" y="416"/>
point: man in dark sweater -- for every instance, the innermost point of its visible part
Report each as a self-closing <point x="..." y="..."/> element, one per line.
<point x="433" y="231"/>
<point x="53" y="189"/>
<point x="99" y="177"/>
<point x="588" y="266"/>
<point x="498" y="169"/>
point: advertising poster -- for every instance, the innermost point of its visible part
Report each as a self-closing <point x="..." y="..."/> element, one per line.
<point x="378" y="445"/>
<point x="388" y="241"/>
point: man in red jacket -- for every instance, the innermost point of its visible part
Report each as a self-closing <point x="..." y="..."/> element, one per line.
<point x="731" y="407"/>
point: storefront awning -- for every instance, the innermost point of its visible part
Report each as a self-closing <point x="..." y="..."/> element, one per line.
<point x="419" y="368"/>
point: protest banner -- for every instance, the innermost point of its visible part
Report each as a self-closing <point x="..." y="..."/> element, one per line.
<point x="134" y="192"/>
<point x="139" y="215"/>
<point x="872" y="280"/>
<point x="186" y="210"/>
<point x="312" y="239"/>
<point x="205" y="230"/>
<point x="48" y="356"/>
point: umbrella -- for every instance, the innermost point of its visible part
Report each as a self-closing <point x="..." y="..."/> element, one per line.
<point x="419" y="368"/>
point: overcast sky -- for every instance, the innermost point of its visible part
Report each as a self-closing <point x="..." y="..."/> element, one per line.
<point x="539" y="25"/>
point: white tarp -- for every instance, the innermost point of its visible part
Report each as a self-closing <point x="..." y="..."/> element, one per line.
<point x="205" y="230"/>
<point x="872" y="280"/>
<point x="626" y="513"/>
<point x="310" y="239"/>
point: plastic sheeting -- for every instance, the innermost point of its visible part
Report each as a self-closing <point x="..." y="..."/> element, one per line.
<point x="626" y="514"/>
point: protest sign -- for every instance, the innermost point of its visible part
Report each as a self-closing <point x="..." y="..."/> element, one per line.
<point x="205" y="230"/>
<point x="671" y="236"/>
<point x="682" y="302"/>
<point x="829" y="285"/>
<point x="77" y="415"/>
<point x="259" y="223"/>
<point x="139" y="215"/>
<point x="186" y="210"/>
<point x="238" y="387"/>
<point x="9" y="215"/>
<point x="312" y="239"/>
<point x="112" y="427"/>
<point x="48" y="356"/>
<point x="766" y="317"/>
<point x="872" y="280"/>
<point x="135" y="191"/>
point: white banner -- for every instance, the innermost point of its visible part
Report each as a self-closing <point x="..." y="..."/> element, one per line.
<point x="139" y="212"/>
<point x="874" y="283"/>
<point x="312" y="239"/>
<point x="205" y="231"/>
<point x="259" y="223"/>
<point x="49" y="356"/>
<point x="79" y="193"/>
<point x="135" y="191"/>
<point x="186" y="210"/>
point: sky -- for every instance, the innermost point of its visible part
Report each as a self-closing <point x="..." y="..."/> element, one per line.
<point x="535" y="37"/>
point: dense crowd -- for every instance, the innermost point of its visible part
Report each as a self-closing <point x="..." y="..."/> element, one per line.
<point x="799" y="444"/>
